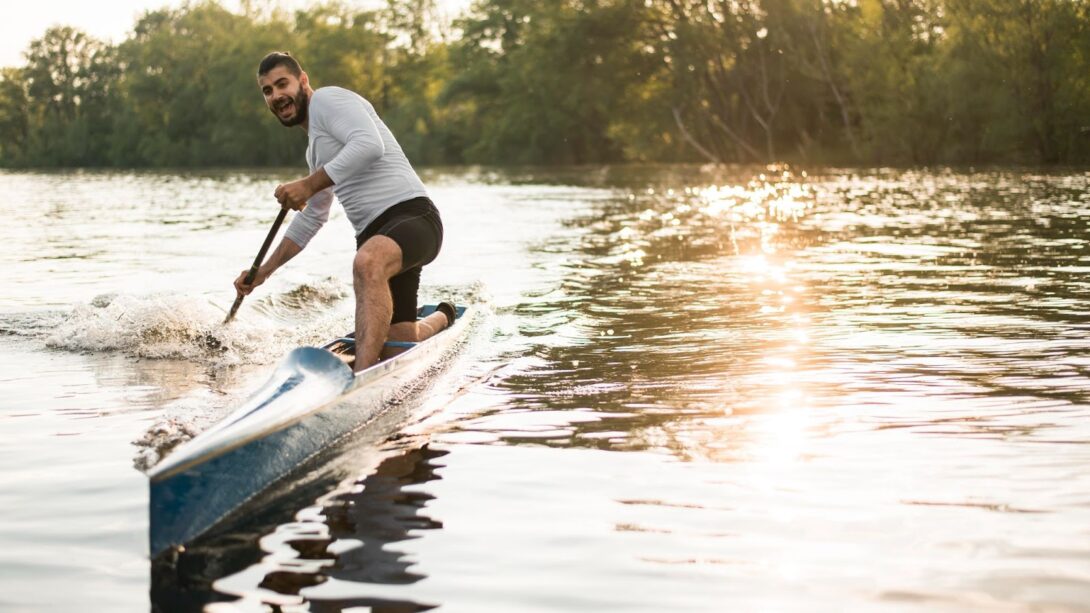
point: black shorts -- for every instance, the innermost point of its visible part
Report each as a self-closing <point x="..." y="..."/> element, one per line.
<point x="415" y="226"/>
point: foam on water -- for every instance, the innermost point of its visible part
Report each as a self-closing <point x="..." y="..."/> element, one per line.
<point x="30" y="324"/>
<point x="175" y="326"/>
<point x="161" y="438"/>
<point x="158" y="326"/>
<point x="327" y="291"/>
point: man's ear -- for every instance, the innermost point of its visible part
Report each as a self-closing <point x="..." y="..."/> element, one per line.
<point x="304" y="79"/>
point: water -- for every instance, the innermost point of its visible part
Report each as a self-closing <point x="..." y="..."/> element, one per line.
<point x="695" y="389"/>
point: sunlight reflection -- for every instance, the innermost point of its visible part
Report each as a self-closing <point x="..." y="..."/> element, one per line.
<point x="781" y="428"/>
<point x="756" y="201"/>
<point x="783" y="434"/>
<point x="751" y="225"/>
<point x="760" y="270"/>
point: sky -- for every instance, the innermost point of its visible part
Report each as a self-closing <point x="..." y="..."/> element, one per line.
<point x="107" y="19"/>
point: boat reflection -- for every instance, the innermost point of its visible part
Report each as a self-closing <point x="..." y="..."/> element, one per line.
<point x="381" y="511"/>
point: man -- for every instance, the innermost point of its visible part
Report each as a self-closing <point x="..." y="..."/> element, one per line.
<point x="353" y="155"/>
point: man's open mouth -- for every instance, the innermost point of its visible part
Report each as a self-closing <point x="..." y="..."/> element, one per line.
<point x="285" y="108"/>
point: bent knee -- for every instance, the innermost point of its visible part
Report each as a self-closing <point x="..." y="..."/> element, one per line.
<point x="363" y="265"/>
<point x="372" y="265"/>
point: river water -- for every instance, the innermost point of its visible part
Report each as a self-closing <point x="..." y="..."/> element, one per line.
<point x="693" y="388"/>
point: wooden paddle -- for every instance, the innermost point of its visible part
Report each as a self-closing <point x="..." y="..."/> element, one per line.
<point x="257" y="262"/>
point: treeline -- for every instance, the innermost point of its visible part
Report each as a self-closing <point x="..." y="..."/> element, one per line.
<point x="577" y="81"/>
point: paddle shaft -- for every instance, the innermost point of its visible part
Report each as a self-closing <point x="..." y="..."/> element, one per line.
<point x="257" y="262"/>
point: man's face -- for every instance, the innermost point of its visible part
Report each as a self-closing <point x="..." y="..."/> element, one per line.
<point x="285" y="95"/>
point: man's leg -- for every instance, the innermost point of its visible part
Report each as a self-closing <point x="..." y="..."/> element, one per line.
<point x="377" y="260"/>
<point x="420" y="330"/>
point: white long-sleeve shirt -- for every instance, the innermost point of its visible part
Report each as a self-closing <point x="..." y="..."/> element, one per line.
<point x="369" y="170"/>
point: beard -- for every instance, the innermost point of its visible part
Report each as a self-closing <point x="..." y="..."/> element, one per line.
<point x="301" y="102"/>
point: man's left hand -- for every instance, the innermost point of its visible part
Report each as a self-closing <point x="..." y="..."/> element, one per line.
<point x="294" y="195"/>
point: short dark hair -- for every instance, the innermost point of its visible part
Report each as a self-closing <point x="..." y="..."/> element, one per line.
<point x="279" y="58"/>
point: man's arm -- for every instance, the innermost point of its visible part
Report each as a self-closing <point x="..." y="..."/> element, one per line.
<point x="285" y="251"/>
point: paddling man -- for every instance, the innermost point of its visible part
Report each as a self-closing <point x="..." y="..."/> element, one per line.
<point x="353" y="155"/>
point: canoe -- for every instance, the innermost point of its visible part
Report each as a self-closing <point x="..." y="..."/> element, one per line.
<point x="311" y="401"/>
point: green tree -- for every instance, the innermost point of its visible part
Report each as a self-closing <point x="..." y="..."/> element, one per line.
<point x="343" y="46"/>
<point x="544" y="80"/>
<point x="70" y="88"/>
<point x="1022" y="64"/>
<point x="14" y="117"/>
<point x="191" y="88"/>
<point x="576" y="81"/>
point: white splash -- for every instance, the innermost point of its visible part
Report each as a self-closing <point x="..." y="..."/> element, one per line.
<point x="184" y="327"/>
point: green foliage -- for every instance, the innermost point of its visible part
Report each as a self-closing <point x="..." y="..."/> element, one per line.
<point x="68" y="90"/>
<point x="14" y="114"/>
<point x="576" y="81"/>
<point x="1026" y="64"/>
<point x="190" y="86"/>
<point x="545" y="80"/>
<point x="347" y="48"/>
<point x="900" y="77"/>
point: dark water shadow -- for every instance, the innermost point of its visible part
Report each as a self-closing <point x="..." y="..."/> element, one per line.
<point x="382" y="513"/>
<point x="382" y="510"/>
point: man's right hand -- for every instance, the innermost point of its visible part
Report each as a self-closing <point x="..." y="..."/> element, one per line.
<point x="241" y="286"/>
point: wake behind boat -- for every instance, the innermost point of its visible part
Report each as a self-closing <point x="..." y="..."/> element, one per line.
<point x="311" y="400"/>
